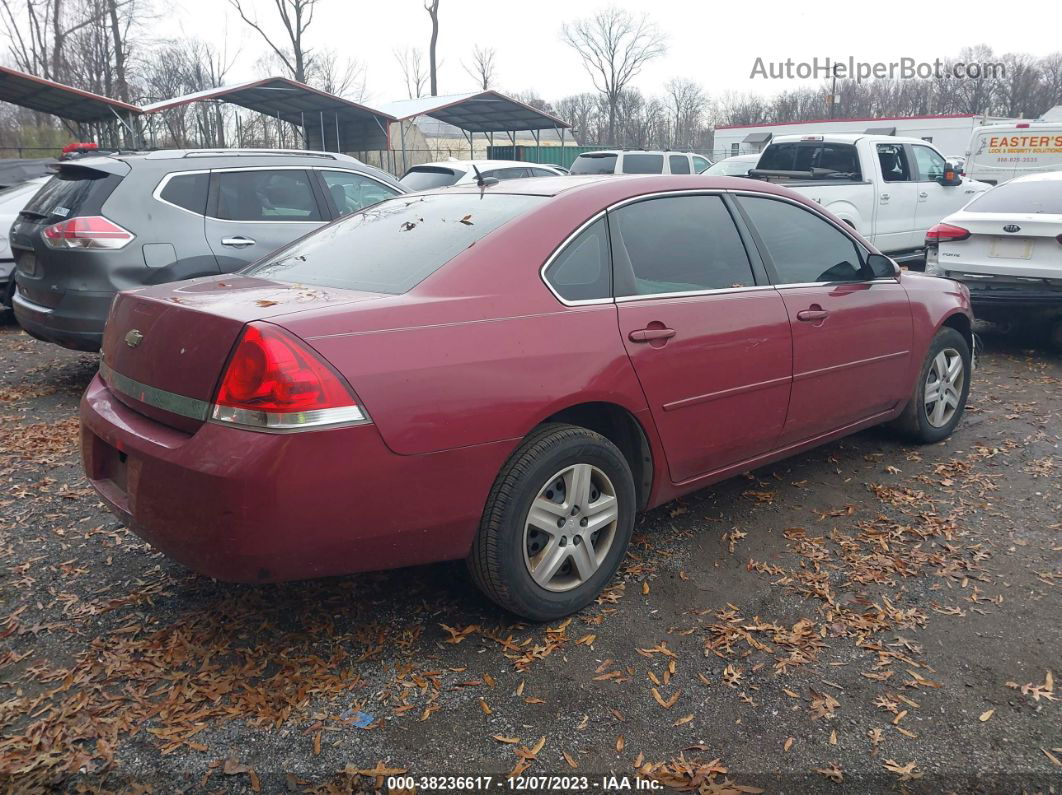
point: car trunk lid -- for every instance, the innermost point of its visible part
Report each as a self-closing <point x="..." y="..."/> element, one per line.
<point x="1005" y="245"/>
<point x="164" y="348"/>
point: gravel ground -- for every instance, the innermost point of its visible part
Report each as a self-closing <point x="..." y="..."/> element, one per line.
<point x="865" y="617"/>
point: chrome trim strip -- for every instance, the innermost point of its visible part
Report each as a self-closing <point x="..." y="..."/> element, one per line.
<point x="847" y="365"/>
<point x="725" y="393"/>
<point x="289" y="422"/>
<point x="192" y="408"/>
<point x="623" y="299"/>
<point x="337" y="166"/>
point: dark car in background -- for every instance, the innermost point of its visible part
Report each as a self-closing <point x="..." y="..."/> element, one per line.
<point x="117" y="222"/>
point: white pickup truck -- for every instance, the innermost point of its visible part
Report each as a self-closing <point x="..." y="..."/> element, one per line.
<point x="891" y="190"/>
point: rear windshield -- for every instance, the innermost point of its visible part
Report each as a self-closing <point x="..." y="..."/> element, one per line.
<point x="425" y="177"/>
<point x="594" y="164"/>
<point x="841" y="159"/>
<point x="71" y="190"/>
<point x="394" y="245"/>
<point x="1021" y="197"/>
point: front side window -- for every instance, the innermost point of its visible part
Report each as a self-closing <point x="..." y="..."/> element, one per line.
<point x="680" y="164"/>
<point x="392" y="246"/>
<point x="894" y="165"/>
<point x="266" y="195"/>
<point x="582" y="270"/>
<point x="188" y="191"/>
<point x="351" y="192"/>
<point x="677" y="244"/>
<point x="700" y="164"/>
<point x="803" y="247"/>
<point x="541" y="172"/>
<point x="643" y="164"/>
<point x="931" y="165"/>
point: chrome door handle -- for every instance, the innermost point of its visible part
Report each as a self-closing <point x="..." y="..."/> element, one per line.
<point x="650" y="334"/>
<point x="811" y="315"/>
<point x="884" y="197"/>
<point x="237" y="242"/>
<point x="923" y="195"/>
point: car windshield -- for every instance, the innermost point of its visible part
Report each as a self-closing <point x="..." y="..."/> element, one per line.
<point x="1035" y="196"/>
<point x="425" y="177"/>
<point x="594" y="164"/>
<point x="394" y="245"/>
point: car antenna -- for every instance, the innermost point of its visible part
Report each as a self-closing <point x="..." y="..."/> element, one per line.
<point x="483" y="181"/>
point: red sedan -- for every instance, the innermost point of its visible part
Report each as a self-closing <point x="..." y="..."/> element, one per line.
<point x="507" y="374"/>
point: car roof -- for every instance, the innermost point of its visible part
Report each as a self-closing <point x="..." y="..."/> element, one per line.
<point x="598" y="152"/>
<point x="481" y="164"/>
<point x="846" y="138"/>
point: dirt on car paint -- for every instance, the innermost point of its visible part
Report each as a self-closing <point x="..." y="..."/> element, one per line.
<point x="868" y="616"/>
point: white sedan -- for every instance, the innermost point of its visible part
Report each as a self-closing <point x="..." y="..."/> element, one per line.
<point x="463" y="172"/>
<point x="1006" y="246"/>
<point x="736" y="166"/>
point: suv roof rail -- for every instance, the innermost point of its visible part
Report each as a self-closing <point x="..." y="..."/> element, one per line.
<point x="227" y="152"/>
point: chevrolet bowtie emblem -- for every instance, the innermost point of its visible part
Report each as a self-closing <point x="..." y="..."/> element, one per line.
<point x="133" y="338"/>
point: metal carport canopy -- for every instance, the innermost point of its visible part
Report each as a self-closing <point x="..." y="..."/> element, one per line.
<point x="66" y="102"/>
<point x="481" y="111"/>
<point x="330" y="122"/>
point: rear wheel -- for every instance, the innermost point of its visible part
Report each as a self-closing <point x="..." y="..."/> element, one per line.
<point x="556" y="524"/>
<point x="939" y="398"/>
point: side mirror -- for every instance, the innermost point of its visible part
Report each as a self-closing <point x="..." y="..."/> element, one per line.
<point x="882" y="267"/>
<point x="951" y="177"/>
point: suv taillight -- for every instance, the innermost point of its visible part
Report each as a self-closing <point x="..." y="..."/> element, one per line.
<point x="946" y="233"/>
<point x="92" y="232"/>
<point x="274" y="382"/>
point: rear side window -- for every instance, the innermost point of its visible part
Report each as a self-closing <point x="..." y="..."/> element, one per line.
<point x="426" y="177"/>
<point x="594" y="164"/>
<point x="73" y="191"/>
<point x="1035" y="196"/>
<point x="679" y="164"/>
<point x="677" y="244"/>
<point x="803" y="247"/>
<point x="582" y="271"/>
<point x="894" y="165"/>
<point x="643" y="164"/>
<point x="700" y="164"/>
<point x="188" y="191"/>
<point x="394" y="245"/>
<point x="265" y="195"/>
<point x="506" y="173"/>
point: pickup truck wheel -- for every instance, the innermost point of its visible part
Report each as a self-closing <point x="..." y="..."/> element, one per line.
<point x="556" y="524"/>
<point x="940" y="393"/>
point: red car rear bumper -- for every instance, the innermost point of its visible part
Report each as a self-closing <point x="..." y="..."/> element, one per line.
<point x="252" y="507"/>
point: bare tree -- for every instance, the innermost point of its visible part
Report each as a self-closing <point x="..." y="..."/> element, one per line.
<point x="344" y="78"/>
<point x="411" y="62"/>
<point x="432" y="7"/>
<point x="614" y="46"/>
<point x="296" y="16"/>
<point x="686" y="104"/>
<point x="481" y="69"/>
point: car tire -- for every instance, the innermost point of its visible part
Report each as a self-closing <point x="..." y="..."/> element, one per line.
<point x="927" y="422"/>
<point x="513" y="554"/>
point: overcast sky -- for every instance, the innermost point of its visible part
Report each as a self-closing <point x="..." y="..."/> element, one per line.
<point x="715" y="43"/>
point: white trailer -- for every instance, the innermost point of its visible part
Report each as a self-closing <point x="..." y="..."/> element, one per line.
<point x="949" y="134"/>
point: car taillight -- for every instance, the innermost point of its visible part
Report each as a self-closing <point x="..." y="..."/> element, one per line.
<point x="88" y="232"/>
<point x="946" y="233"/>
<point x="274" y="382"/>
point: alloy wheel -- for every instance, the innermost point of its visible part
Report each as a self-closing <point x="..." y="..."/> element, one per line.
<point x="570" y="527"/>
<point x="943" y="387"/>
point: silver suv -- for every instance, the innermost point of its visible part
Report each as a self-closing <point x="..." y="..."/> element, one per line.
<point x="105" y="224"/>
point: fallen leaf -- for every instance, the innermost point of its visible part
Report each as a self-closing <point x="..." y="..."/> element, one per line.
<point x="986" y="715"/>
<point x="788" y="744"/>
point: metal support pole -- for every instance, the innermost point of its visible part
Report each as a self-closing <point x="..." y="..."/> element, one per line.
<point x="339" y="149"/>
<point x="402" y="140"/>
<point x="324" y="148"/>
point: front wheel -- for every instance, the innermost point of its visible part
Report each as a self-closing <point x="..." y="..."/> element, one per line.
<point x="939" y="398"/>
<point x="556" y="524"/>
